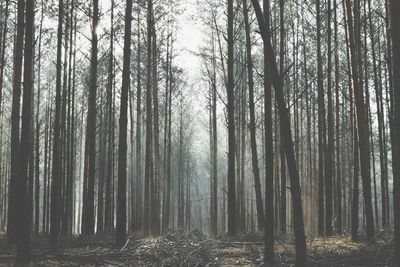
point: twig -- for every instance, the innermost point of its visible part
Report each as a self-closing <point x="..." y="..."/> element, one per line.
<point x="123" y="248"/>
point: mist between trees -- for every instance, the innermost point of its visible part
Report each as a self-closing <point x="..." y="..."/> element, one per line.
<point x="229" y="117"/>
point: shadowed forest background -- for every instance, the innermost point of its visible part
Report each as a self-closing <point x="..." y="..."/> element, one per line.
<point x="200" y="132"/>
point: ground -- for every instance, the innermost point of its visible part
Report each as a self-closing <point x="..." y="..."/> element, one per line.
<point x="195" y="249"/>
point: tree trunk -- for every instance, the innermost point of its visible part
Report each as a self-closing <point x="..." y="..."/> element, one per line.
<point x="55" y="181"/>
<point x="231" y="126"/>
<point x="355" y="63"/>
<point x="90" y="148"/>
<point x="148" y="176"/>
<point x="12" y="231"/>
<point x="394" y="7"/>
<point x="108" y="214"/>
<point x="300" y="242"/>
<point x="123" y="129"/>
<point x="321" y="129"/>
<point x="330" y="146"/>
<point x="252" y="125"/>
<point x="23" y="216"/>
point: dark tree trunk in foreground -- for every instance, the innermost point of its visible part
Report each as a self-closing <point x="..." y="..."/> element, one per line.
<point x="298" y="224"/>
<point x="321" y="129"/>
<point x="355" y="64"/>
<point x="108" y="214"/>
<point x="254" y="155"/>
<point x="123" y="129"/>
<point x="231" y="126"/>
<point x="148" y="174"/>
<point x="90" y="147"/>
<point x="269" y="162"/>
<point x="56" y="172"/>
<point x="395" y="34"/>
<point x="13" y="197"/>
<point x="138" y="208"/>
<point x="23" y="216"/>
<point x="330" y="145"/>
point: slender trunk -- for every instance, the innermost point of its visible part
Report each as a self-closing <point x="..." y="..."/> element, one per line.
<point x="252" y="125"/>
<point x="355" y="63"/>
<point x="394" y="7"/>
<point x="90" y="147"/>
<point x="231" y="125"/>
<point x="330" y="146"/>
<point x="123" y="129"/>
<point x="269" y="163"/>
<point x="321" y="129"/>
<point x="13" y="199"/>
<point x="23" y="216"/>
<point x="149" y="124"/>
<point x="298" y="224"/>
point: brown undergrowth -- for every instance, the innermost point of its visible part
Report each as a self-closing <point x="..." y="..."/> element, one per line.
<point x="195" y="249"/>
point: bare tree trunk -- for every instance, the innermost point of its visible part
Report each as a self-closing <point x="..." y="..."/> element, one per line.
<point x="155" y="187"/>
<point x="282" y="208"/>
<point x="148" y="176"/>
<point x="123" y="129"/>
<point x="321" y="129"/>
<point x="90" y="148"/>
<point x="37" y="135"/>
<point x="330" y="146"/>
<point x="24" y="202"/>
<point x="12" y="231"/>
<point x="355" y="62"/>
<point x="269" y="150"/>
<point x="394" y="7"/>
<point x="300" y="242"/>
<point x="108" y="214"/>
<point x="231" y="125"/>
<point x="339" y="224"/>
<point x="252" y="125"/>
<point x="138" y="196"/>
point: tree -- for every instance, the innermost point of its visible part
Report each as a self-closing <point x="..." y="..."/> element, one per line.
<point x="123" y="129"/>
<point x="362" y="125"/>
<point x="395" y="39"/>
<point x="148" y="174"/>
<point x="269" y="163"/>
<point x="12" y="231"/>
<point x="90" y="147"/>
<point x="330" y="145"/>
<point x="252" y="125"/>
<point x="230" y="89"/>
<point x="321" y="128"/>
<point x="23" y="218"/>
<point x="56" y="172"/>
<point x="108" y="214"/>
<point x="300" y="242"/>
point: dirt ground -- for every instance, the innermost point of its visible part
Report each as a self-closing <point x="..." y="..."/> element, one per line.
<point x="195" y="249"/>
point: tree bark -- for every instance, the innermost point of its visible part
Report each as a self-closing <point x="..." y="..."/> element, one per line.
<point x="123" y="129"/>
<point x="300" y="242"/>
<point x="355" y="63"/>
<point x="231" y="125"/>
<point x="394" y="7"/>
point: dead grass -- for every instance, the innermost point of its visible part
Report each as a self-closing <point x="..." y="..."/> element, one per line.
<point x="195" y="249"/>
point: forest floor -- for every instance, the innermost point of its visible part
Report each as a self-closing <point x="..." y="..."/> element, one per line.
<point x="195" y="249"/>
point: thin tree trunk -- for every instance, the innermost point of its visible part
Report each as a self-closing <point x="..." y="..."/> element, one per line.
<point x="90" y="147"/>
<point x="252" y="125"/>
<point x="355" y="63"/>
<point x="394" y="7"/>
<point x="123" y="129"/>
<point x="231" y="125"/>
<point x="300" y="242"/>
<point x="23" y="216"/>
